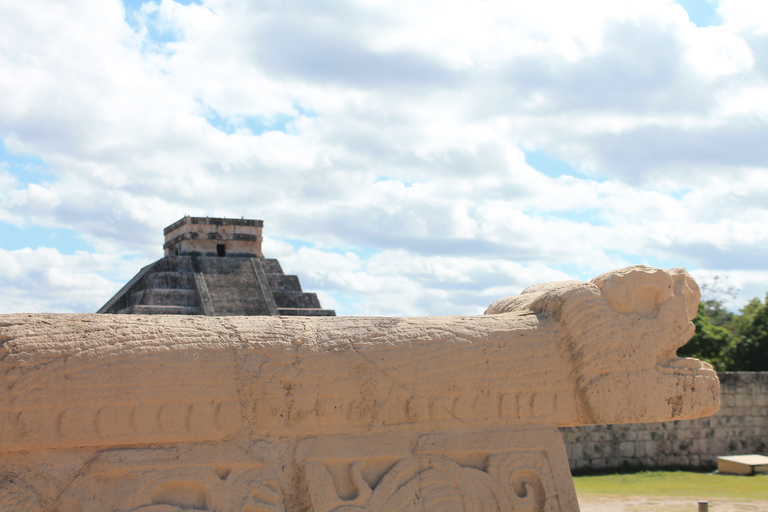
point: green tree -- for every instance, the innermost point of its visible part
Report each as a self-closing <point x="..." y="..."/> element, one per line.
<point x="717" y="314"/>
<point x="750" y="350"/>
<point x="713" y="341"/>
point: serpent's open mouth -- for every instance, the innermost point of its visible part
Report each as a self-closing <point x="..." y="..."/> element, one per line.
<point x="685" y="365"/>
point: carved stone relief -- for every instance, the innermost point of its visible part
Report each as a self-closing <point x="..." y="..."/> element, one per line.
<point x="333" y="414"/>
<point x="491" y="470"/>
<point x="198" y="477"/>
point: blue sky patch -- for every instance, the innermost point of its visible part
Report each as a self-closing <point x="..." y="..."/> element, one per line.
<point x="259" y="124"/>
<point x="218" y="122"/>
<point x="135" y="5"/>
<point x="26" y="169"/>
<point x="678" y="194"/>
<point x="66" y="241"/>
<point x="255" y="124"/>
<point x="347" y="303"/>
<point x="545" y="164"/>
<point x="159" y="32"/>
<point x="703" y="13"/>
<point x="407" y="183"/>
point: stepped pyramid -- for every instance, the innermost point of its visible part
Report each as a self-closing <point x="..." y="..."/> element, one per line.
<point x="214" y="267"/>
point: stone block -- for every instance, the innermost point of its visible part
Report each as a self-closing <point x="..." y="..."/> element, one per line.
<point x="126" y="412"/>
<point x="593" y="450"/>
<point x="577" y="451"/>
<point x="627" y="449"/>
<point x="719" y="446"/>
<point x="742" y="432"/>
<point x="737" y="445"/>
<point x="628" y="436"/>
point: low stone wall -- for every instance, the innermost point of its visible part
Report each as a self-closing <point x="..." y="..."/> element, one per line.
<point x="740" y="427"/>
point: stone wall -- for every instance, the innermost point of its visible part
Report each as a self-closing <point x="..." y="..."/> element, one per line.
<point x="740" y="427"/>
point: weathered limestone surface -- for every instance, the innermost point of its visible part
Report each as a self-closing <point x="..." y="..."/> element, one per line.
<point x="739" y="427"/>
<point x="160" y="413"/>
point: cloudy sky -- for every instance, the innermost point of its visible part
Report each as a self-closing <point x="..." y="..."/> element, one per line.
<point x="407" y="158"/>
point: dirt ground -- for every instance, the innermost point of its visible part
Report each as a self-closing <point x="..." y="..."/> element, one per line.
<point x="602" y="503"/>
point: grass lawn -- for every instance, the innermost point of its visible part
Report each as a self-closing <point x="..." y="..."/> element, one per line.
<point x="675" y="483"/>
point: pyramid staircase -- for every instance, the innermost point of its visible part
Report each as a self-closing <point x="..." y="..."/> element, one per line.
<point x="204" y="285"/>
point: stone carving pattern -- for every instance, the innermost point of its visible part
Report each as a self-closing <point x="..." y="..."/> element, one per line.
<point x="188" y="485"/>
<point x="17" y="496"/>
<point x="515" y="481"/>
<point x="396" y="410"/>
<point x="123" y="421"/>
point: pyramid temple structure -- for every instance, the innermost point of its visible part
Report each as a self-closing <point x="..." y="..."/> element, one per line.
<point x="215" y="267"/>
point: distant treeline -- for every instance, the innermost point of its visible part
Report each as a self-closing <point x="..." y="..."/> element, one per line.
<point x="730" y="341"/>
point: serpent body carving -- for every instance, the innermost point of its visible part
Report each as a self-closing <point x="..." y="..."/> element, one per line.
<point x="569" y="353"/>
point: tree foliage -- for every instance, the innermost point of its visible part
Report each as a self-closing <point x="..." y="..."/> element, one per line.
<point x="712" y="342"/>
<point x="750" y="352"/>
<point x="730" y="342"/>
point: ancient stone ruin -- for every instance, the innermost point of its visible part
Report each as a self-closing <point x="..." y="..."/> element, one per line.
<point x="215" y="267"/>
<point x="277" y="413"/>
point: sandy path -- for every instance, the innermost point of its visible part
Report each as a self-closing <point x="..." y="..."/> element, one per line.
<point x="603" y="503"/>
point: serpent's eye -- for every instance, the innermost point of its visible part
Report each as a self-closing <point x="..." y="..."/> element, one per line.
<point x="647" y="301"/>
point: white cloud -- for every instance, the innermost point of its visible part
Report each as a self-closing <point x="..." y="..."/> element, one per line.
<point x="714" y="52"/>
<point x="397" y="282"/>
<point x="742" y="15"/>
<point x="384" y="139"/>
<point x="44" y="280"/>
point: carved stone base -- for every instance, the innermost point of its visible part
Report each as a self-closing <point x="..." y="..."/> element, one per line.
<point x="481" y="470"/>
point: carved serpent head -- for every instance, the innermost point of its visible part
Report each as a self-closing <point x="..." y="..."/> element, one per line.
<point x="621" y="332"/>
